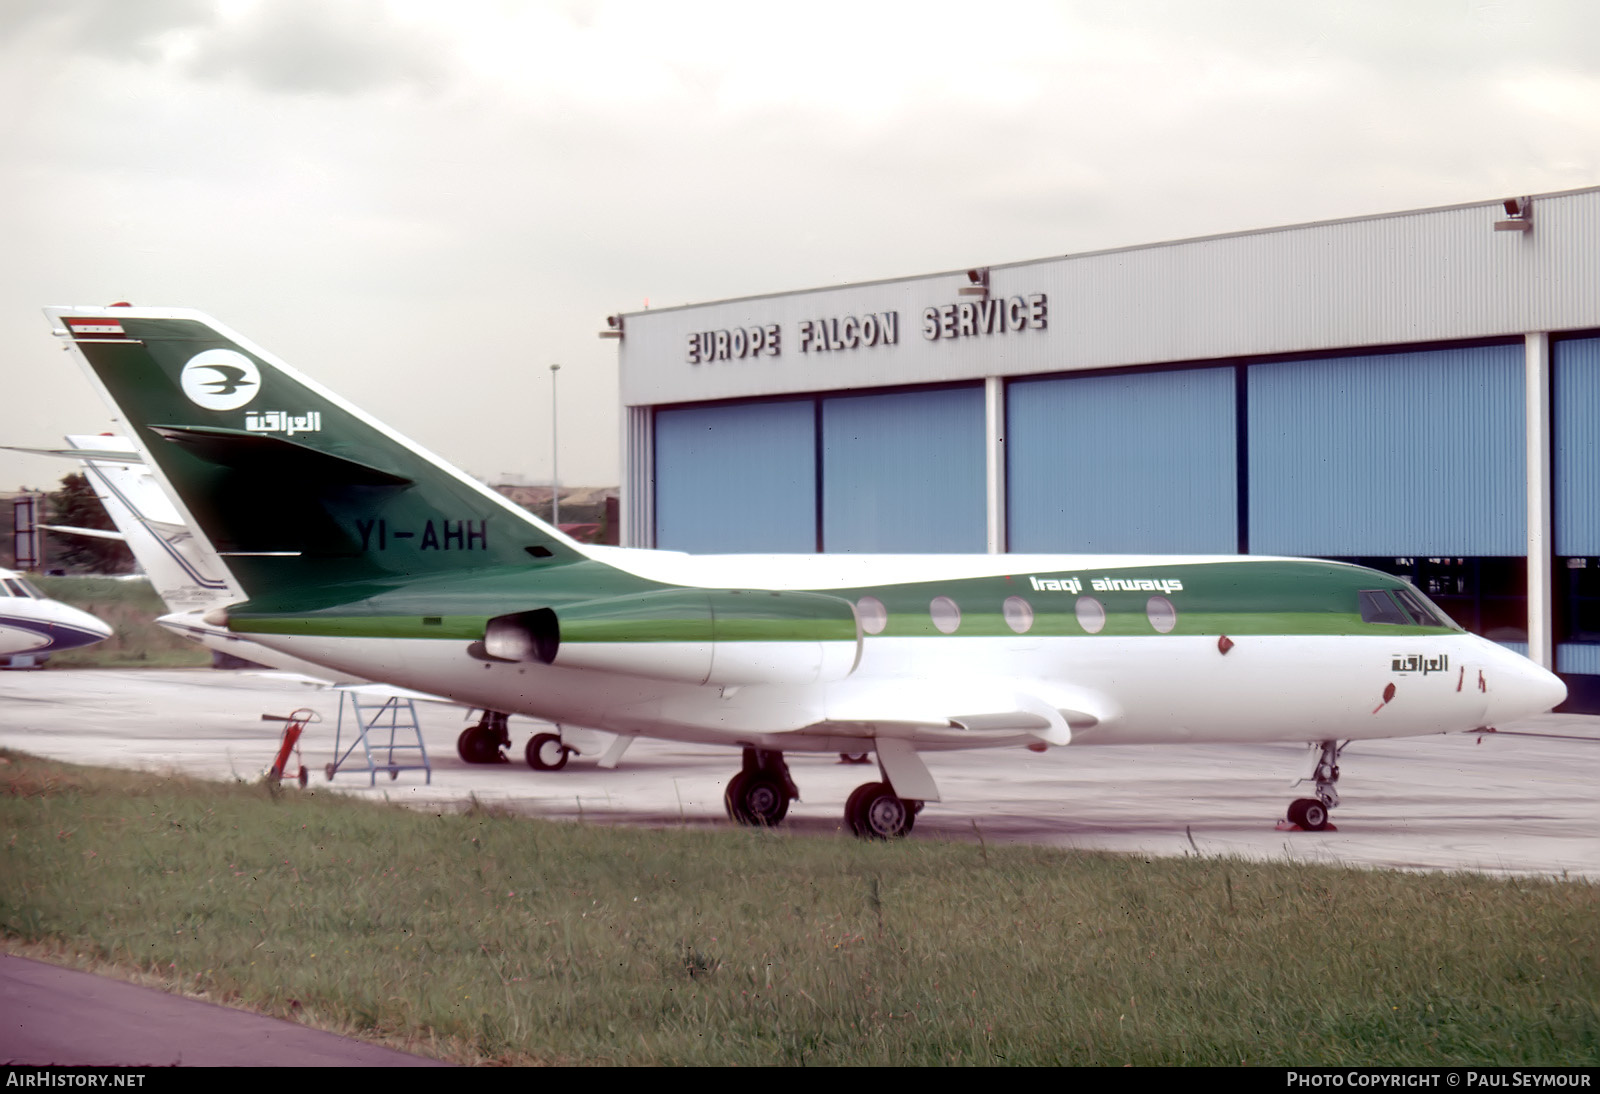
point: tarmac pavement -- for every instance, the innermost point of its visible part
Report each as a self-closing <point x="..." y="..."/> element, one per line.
<point x="1519" y="801"/>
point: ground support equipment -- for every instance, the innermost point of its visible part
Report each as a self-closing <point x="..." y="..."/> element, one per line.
<point x="404" y="750"/>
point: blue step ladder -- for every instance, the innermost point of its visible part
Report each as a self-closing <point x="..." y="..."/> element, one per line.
<point x="404" y="750"/>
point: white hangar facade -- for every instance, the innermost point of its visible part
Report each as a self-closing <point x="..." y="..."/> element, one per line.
<point x="1418" y="392"/>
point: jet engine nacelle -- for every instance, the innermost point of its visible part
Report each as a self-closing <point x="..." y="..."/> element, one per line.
<point x="726" y="637"/>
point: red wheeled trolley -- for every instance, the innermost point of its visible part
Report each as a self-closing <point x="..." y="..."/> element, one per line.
<point x="295" y="725"/>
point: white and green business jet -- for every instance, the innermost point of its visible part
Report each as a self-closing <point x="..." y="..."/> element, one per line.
<point x="357" y="550"/>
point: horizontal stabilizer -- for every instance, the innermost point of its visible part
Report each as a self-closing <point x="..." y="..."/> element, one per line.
<point x="276" y="456"/>
<point x="92" y="533"/>
<point x="96" y="456"/>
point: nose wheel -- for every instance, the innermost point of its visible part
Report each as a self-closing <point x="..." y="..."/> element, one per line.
<point x="1311" y="814"/>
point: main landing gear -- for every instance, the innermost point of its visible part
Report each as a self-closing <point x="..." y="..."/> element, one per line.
<point x="481" y="743"/>
<point x="762" y="790"/>
<point x="547" y="752"/>
<point x="759" y="795"/>
<point x="1311" y="814"/>
<point x="875" y="811"/>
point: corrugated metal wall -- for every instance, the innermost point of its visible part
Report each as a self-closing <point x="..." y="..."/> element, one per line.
<point x="1136" y="463"/>
<point x="1398" y="454"/>
<point x="1421" y="276"/>
<point x="904" y="472"/>
<point x="735" y="479"/>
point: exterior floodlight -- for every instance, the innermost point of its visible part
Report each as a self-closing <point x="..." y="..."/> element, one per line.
<point x="979" y="286"/>
<point x="1519" y="213"/>
<point x="614" y="322"/>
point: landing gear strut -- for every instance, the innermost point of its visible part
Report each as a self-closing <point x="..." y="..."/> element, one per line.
<point x="1312" y="813"/>
<point x="762" y="790"/>
<point x="481" y="743"/>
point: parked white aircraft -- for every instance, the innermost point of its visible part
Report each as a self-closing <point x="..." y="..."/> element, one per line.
<point x="32" y="626"/>
<point x="358" y="550"/>
<point x="192" y="579"/>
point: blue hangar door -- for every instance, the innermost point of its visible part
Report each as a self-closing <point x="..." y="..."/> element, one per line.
<point x="903" y="472"/>
<point x="1407" y="462"/>
<point x="732" y="479"/>
<point x="891" y="472"/>
<point x="1128" y="463"/>
<point x="1575" y="419"/>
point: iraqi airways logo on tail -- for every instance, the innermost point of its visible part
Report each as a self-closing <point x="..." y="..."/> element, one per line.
<point x="1106" y="584"/>
<point x="220" y="379"/>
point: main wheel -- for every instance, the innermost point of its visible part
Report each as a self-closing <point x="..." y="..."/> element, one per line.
<point x="478" y="747"/>
<point x="731" y="793"/>
<point x="874" y="811"/>
<point x="545" y="752"/>
<point x="756" y="798"/>
<point x="1308" y="813"/>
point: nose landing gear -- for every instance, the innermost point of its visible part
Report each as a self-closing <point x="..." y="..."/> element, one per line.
<point x="1311" y="814"/>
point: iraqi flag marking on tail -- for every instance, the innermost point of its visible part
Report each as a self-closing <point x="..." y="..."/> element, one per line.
<point x="96" y="328"/>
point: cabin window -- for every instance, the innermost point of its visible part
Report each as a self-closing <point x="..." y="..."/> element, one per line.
<point x="1162" y="615"/>
<point x="946" y="614"/>
<point x="873" y="615"/>
<point x="1018" y="613"/>
<point x="1091" y="614"/>
<point x="1377" y="606"/>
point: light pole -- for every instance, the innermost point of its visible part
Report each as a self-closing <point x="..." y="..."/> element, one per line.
<point x="555" y="451"/>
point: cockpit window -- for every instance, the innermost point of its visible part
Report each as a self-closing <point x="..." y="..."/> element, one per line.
<point x="13" y="587"/>
<point x="1377" y="606"/>
<point x="30" y="589"/>
<point x="1402" y="607"/>
<point x="1422" y="613"/>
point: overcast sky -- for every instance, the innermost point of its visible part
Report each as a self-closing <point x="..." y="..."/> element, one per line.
<point x="424" y="205"/>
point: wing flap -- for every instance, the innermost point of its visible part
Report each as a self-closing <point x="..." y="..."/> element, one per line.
<point x="995" y="708"/>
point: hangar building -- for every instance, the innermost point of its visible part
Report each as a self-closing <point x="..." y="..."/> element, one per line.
<point x="1418" y="392"/>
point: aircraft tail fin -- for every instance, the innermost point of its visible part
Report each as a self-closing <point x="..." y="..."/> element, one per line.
<point x="293" y="487"/>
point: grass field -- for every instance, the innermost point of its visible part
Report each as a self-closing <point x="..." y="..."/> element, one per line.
<point x="486" y="938"/>
<point x="130" y="606"/>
